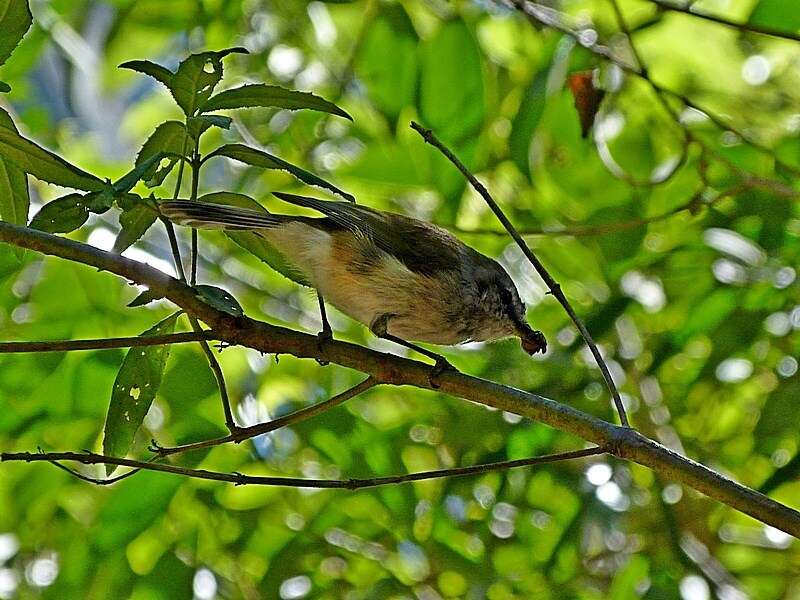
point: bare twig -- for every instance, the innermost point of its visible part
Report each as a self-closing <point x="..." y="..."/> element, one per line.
<point x="105" y="343"/>
<point x="552" y="284"/>
<point x="244" y="433"/>
<point x="746" y="27"/>
<point x="241" y="479"/>
<point x="554" y="19"/>
<point x="623" y="442"/>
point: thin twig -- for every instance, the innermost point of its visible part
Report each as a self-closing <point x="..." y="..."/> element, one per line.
<point x="244" y="433"/>
<point x="746" y="27"/>
<point x="90" y="458"/>
<point x="195" y="165"/>
<point x="552" y="284"/>
<point x="93" y="480"/>
<point x="553" y="19"/>
<point x="106" y="343"/>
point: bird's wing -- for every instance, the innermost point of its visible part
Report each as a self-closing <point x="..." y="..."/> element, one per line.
<point x="420" y="246"/>
<point x="206" y="215"/>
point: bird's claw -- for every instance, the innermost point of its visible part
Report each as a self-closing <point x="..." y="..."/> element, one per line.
<point x="440" y="366"/>
<point x="323" y="337"/>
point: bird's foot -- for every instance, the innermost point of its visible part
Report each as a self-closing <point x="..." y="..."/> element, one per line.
<point x="440" y="366"/>
<point x="323" y="337"/>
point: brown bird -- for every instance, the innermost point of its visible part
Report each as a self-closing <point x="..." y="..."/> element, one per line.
<point x="403" y="278"/>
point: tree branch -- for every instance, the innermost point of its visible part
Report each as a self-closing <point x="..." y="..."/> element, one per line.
<point x="105" y="343"/>
<point x="553" y="19"/>
<point x="552" y="284"/>
<point x="385" y="368"/>
<point x="241" y="479"/>
<point x="245" y="433"/>
<point x="745" y="27"/>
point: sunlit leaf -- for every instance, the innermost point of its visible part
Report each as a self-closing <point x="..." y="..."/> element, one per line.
<point x="14" y="197"/>
<point x="390" y="77"/>
<point x="196" y="78"/>
<point x="168" y="137"/>
<point x="43" y="164"/>
<point x="15" y="19"/>
<point x="157" y="72"/>
<point x="134" y="223"/>
<point x="259" y="94"/>
<point x="134" y="390"/>
<point x="259" y="158"/>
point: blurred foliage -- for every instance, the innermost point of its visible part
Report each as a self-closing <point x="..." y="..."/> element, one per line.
<point x="697" y="313"/>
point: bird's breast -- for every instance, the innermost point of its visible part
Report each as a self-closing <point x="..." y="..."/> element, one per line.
<point x="364" y="282"/>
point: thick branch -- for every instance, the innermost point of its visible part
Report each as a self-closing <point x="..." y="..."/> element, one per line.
<point x="552" y="284"/>
<point x="89" y="458"/>
<point x="389" y="369"/>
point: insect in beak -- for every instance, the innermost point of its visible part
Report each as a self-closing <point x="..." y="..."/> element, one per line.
<point x="533" y="341"/>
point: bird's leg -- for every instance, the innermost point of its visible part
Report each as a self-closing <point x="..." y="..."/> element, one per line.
<point x="326" y="334"/>
<point x="379" y="327"/>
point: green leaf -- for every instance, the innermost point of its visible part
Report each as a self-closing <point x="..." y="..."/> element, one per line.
<point x="15" y="19"/>
<point x="451" y="100"/>
<point x="196" y="78"/>
<point x="526" y="120"/>
<point x="100" y="202"/>
<point x="125" y="183"/>
<point x="155" y="71"/>
<point x="390" y="77"/>
<point x="169" y="138"/>
<point x="220" y="299"/>
<point x="14" y="198"/>
<point x="251" y="241"/>
<point x="259" y="94"/>
<point x="4" y="87"/>
<point x="257" y="158"/>
<point x="134" y="389"/>
<point x="199" y="125"/>
<point x="62" y="215"/>
<point x="43" y="164"/>
<point x="778" y="14"/>
<point x="146" y="297"/>
<point x="134" y="222"/>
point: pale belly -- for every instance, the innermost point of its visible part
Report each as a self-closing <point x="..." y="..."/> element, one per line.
<point x="419" y="311"/>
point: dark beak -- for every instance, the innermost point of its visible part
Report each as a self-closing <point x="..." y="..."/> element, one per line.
<point x="532" y="341"/>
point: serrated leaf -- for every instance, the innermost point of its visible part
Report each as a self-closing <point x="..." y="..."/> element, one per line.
<point x="146" y="297"/>
<point x="134" y="389"/>
<point x="157" y="72"/>
<point x="43" y="164"/>
<point x="134" y="222"/>
<point x="261" y="95"/>
<point x="14" y="197"/>
<point x="196" y="78"/>
<point x="250" y="240"/>
<point x="168" y="137"/>
<point x="15" y="20"/>
<point x="100" y="202"/>
<point x="62" y="215"/>
<point x="125" y="183"/>
<point x="4" y="87"/>
<point x="220" y="299"/>
<point x="258" y="158"/>
<point x="198" y="125"/>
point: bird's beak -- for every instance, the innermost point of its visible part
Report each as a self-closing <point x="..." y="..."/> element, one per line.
<point x="532" y="341"/>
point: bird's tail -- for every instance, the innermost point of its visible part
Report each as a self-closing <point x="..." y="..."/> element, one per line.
<point x="205" y="215"/>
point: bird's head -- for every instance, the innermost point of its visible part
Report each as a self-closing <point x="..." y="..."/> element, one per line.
<point x="499" y="301"/>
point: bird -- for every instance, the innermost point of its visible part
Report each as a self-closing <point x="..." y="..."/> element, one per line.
<point x="406" y="279"/>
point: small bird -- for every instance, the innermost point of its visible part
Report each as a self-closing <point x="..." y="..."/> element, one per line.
<point x="406" y="279"/>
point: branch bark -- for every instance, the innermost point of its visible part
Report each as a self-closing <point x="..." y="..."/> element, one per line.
<point x="388" y="369"/>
